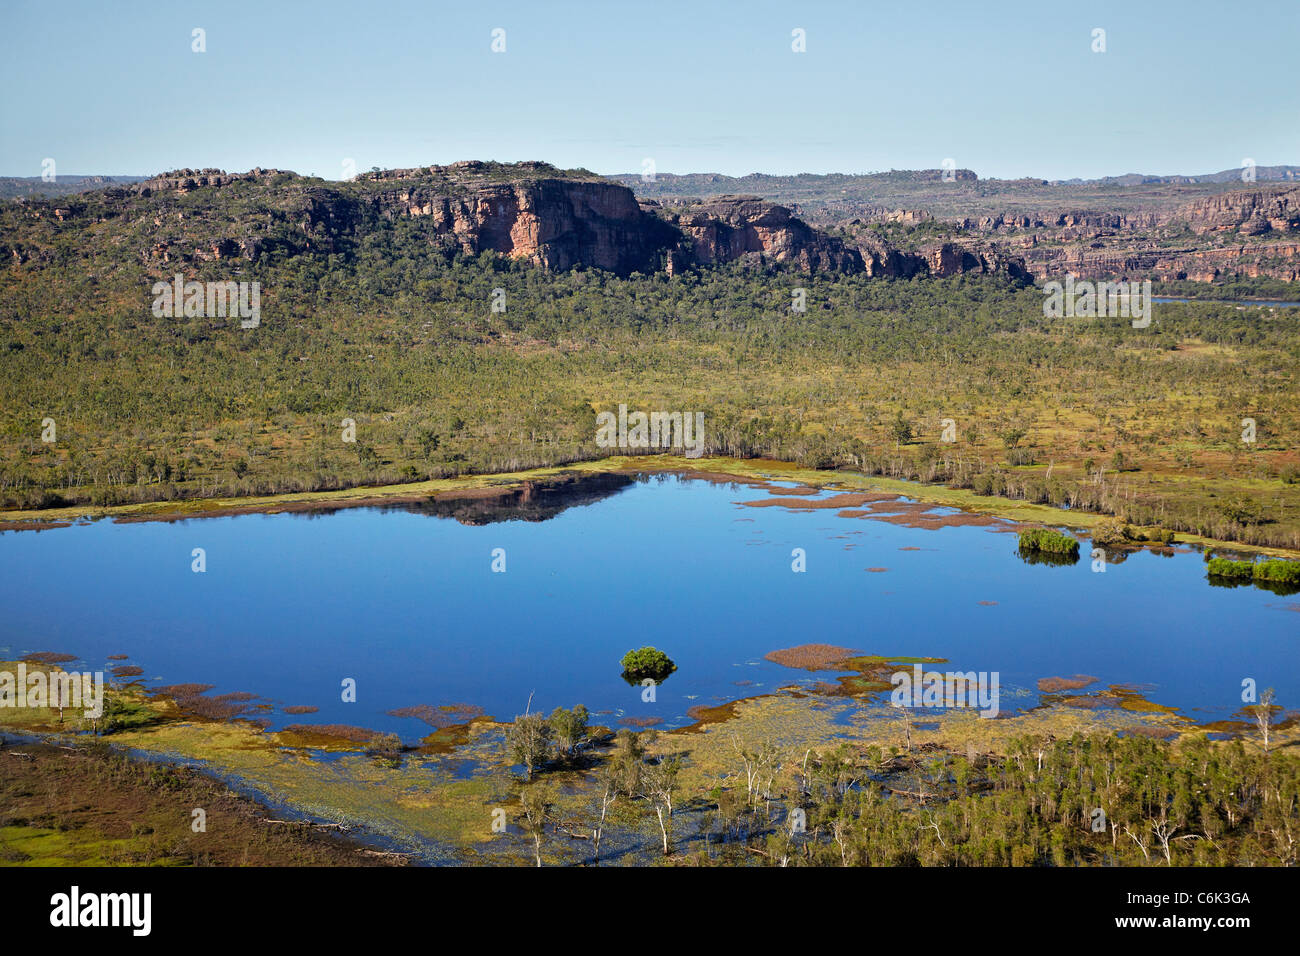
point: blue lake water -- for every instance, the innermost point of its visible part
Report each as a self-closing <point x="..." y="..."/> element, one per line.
<point x="407" y="605"/>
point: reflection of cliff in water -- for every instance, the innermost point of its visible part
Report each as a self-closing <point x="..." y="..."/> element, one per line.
<point x="533" y="500"/>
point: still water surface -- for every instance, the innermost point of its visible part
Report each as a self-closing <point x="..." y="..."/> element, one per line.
<point x="407" y="604"/>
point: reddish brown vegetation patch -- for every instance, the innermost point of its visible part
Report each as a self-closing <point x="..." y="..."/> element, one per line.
<point x="296" y="709"/>
<point x="127" y="670"/>
<point x="118" y="657"/>
<point x="221" y="707"/>
<point x="1052" y="685"/>
<point x="847" y="499"/>
<point x="704" y="714"/>
<point x="356" y="735"/>
<point x="446" y="715"/>
<point x="922" y="516"/>
<point x="641" y="721"/>
<point x="64" y="790"/>
<point x="812" y="657"/>
<point x="179" y="691"/>
<point x="49" y="657"/>
<point x="877" y="570"/>
<point x="189" y="698"/>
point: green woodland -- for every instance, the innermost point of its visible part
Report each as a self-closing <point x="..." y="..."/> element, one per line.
<point x="1074" y="801"/>
<point x="960" y="380"/>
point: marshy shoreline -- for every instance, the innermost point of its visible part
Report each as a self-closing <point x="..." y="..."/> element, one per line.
<point x="339" y="802"/>
<point x="505" y="486"/>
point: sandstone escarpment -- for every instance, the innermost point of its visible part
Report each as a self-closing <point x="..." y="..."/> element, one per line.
<point x="728" y="228"/>
<point x="556" y="224"/>
<point x="1278" y="260"/>
<point x="954" y="258"/>
<point x="1248" y="212"/>
<point x="555" y="219"/>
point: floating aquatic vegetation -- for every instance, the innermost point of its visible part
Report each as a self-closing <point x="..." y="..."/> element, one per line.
<point x="49" y="657"/>
<point x="442" y="716"/>
<point x="180" y="691"/>
<point x="642" y="721"/>
<point x="812" y="657"/>
<point x="1051" y="685"/>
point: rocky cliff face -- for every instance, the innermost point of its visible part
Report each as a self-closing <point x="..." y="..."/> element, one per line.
<point x="727" y="228"/>
<point x="1273" y="260"/>
<point x="1247" y="212"/>
<point x="557" y="224"/>
<point x="555" y="219"/>
<point x="1240" y="232"/>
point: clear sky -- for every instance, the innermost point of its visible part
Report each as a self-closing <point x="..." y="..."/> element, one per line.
<point x="1006" y="89"/>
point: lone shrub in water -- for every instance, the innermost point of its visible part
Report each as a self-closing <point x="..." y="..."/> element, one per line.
<point x="1053" y="542"/>
<point x="647" y="662"/>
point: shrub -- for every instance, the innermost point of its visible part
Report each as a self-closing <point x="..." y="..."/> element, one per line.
<point x="1279" y="572"/>
<point x="1052" y="542"/>
<point x="529" y="742"/>
<point x="568" y="728"/>
<point x="986" y="483"/>
<point x="1109" y="533"/>
<point x="646" y="662"/>
<point x="1228" y="568"/>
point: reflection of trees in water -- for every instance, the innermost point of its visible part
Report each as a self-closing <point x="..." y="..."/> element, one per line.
<point x="1047" y="557"/>
<point x="1280" y="588"/>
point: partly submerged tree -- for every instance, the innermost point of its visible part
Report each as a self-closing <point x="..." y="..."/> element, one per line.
<point x="529" y="742"/>
<point x="568" y="730"/>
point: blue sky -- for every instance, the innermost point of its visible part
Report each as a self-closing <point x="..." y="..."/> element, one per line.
<point x="1006" y="89"/>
